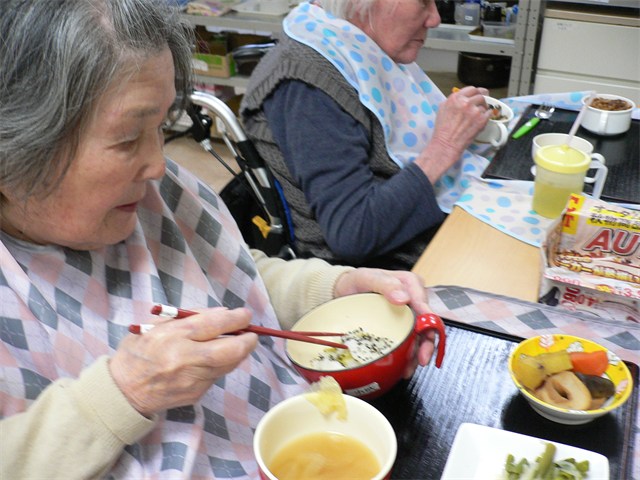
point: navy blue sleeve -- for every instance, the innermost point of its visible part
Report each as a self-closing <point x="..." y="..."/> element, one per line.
<point x="326" y="151"/>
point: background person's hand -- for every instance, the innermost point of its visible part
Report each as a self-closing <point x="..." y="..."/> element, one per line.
<point x="176" y="362"/>
<point x="460" y="118"/>
<point x="400" y="288"/>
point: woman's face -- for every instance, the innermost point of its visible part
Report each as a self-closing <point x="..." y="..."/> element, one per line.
<point x="400" y="27"/>
<point x="97" y="200"/>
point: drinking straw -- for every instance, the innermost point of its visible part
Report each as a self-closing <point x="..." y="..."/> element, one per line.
<point x="576" y="123"/>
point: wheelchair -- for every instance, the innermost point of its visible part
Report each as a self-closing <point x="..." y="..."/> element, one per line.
<point x="254" y="196"/>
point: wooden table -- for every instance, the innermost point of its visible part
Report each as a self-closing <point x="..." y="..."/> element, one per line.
<point x="469" y="253"/>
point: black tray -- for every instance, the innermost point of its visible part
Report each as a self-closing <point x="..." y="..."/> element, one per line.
<point x="621" y="152"/>
<point x="474" y="386"/>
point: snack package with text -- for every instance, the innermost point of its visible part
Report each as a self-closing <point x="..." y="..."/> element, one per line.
<point x="591" y="260"/>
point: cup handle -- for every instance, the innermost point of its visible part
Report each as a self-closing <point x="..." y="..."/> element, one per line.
<point x="428" y="321"/>
<point x="597" y="163"/>
<point x="504" y="136"/>
<point x="602" y="122"/>
<point x="594" y="156"/>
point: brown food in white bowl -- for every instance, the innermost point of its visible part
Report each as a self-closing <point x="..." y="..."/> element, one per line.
<point x="612" y="105"/>
<point x="607" y="114"/>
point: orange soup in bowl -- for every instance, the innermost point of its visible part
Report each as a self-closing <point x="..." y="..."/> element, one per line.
<point x="325" y="456"/>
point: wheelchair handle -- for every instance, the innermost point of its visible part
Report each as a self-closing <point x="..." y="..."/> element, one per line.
<point x="222" y="111"/>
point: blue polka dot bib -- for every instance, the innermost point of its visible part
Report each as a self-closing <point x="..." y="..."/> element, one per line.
<point x="402" y="97"/>
<point x="405" y="102"/>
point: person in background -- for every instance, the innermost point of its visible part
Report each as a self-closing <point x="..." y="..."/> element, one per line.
<point x="357" y="135"/>
<point x="97" y="227"/>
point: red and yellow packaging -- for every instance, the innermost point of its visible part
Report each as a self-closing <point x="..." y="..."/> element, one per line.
<point x="591" y="260"/>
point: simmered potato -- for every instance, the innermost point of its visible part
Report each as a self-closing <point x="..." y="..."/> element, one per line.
<point x="555" y="362"/>
<point x="529" y="371"/>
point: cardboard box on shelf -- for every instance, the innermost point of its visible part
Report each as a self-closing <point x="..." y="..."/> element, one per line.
<point x="591" y="260"/>
<point x="213" y="54"/>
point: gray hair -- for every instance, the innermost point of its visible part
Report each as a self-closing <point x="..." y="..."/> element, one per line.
<point x="347" y="9"/>
<point x="58" y="58"/>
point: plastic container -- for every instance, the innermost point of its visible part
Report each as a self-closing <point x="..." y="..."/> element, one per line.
<point x="499" y="30"/>
<point x="467" y="14"/>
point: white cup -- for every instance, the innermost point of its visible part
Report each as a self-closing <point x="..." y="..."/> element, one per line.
<point x="495" y="132"/>
<point x="297" y="416"/>
<point x="607" y="122"/>
<point x="545" y="139"/>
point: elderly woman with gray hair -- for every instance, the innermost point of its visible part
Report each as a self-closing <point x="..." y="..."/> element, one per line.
<point x="365" y="146"/>
<point x="96" y="227"/>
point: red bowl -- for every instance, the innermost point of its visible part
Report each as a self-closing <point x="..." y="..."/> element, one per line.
<point x="376" y="315"/>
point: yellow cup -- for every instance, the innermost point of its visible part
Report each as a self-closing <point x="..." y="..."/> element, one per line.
<point x="560" y="171"/>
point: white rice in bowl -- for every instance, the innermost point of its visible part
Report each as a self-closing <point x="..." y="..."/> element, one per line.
<point x="364" y="347"/>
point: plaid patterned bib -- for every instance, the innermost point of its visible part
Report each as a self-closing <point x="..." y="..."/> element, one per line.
<point x="61" y="309"/>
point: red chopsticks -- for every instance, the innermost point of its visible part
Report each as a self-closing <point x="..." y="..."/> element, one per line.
<point x="173" y="312"/>
<point x="299" y="336"/>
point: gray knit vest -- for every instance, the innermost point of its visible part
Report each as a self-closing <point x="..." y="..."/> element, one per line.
<point x="291" y="60"/>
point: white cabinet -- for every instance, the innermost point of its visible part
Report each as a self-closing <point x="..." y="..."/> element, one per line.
<point x="581" y="51"/>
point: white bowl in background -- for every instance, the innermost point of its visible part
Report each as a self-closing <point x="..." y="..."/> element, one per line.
<point x="607" y="122"/>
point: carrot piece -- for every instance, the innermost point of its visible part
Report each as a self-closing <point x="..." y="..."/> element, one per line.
<point x="593" y="363"/>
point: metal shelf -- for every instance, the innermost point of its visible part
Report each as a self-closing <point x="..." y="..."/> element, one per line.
<point x="241" y="21"/>
<point x="445" y="37"/>
<point x="235" y="81"/>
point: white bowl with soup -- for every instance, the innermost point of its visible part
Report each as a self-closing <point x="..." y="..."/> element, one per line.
<point x="295" y="440"/>
<point x="496" y="132"/>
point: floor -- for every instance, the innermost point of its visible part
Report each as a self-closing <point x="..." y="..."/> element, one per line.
<point x="189" y="154"/>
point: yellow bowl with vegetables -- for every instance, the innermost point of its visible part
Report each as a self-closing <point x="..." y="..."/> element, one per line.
<point x="569" y="379"/>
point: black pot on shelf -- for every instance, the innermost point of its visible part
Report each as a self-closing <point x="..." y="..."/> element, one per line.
<point x="493" y="13"/>
<point x="247" y="57"/>
<point x="483" y="70"/>
<point x="446" y="9"/>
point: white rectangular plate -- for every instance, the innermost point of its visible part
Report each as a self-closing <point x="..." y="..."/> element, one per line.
<point x="479" y="453"/>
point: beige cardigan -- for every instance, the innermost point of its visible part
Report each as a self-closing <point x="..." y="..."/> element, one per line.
<point x="98" y="414"/>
